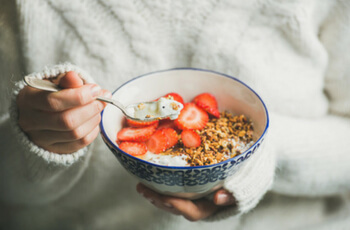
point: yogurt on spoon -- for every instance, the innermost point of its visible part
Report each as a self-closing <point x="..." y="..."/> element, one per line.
<point x="164" y="107"/>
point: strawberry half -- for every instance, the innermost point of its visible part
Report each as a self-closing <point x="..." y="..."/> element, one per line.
<point x="136" y="134"/>
<point x="176" y="97"/>
<point x="133" y="148"/>
<point x="171" y="135"/>
<point x="158" y="142"/>
<point x="134" y="123"/>
<point x="192" y="117"/>
<point x="166" y="123"/>
<point x="190" y="139"/>
<point x="207" y="102"/>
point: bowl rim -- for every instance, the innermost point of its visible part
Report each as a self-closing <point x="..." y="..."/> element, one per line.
<point x="104" y="134"/>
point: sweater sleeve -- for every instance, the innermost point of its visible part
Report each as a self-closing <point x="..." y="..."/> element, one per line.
<point x="314" y="154"/>
<point x="30" y="174"/>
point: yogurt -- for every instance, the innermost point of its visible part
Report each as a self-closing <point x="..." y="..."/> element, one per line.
<point x="163" y="108"/>
<point x="167" y="160"/>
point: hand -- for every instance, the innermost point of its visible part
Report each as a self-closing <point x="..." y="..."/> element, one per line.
<point x="192" y="210"/>
<point x="63" y="121"/>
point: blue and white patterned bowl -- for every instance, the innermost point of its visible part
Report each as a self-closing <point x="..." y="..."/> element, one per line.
<point x="187" y="182"/>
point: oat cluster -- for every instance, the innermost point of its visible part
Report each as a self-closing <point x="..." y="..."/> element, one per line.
<point x="221" y="139"/>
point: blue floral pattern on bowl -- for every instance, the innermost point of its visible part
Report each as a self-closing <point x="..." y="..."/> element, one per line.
<point x="182" y="177"/>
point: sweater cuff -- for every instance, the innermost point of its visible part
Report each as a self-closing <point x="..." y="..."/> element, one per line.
<point x="250" y="183"/>
<point x="33" y="152"/>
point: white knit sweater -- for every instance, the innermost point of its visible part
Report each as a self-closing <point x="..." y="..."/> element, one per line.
<point x="293" y="53"/>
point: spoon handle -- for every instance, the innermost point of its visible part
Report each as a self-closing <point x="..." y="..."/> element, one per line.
<point x="49" y="86"/>
<point x="113" y="102"/>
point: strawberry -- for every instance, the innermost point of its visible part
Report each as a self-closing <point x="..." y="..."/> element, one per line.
<point x="166" y="123"/>
<point x="133" y="148"/>
<point x="158" y="142"/>
<point x="176" y="97"/>
<point x="192" y="117"/>
<point x="190" y="138"/>
<point x="136" y="134"/>
<point x="207" y="102"/>
<point x="171" y="135"/>
<point x="134" y="123"/>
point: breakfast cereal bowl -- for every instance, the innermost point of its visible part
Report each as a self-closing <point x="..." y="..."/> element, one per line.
<point x="190" y="182"/>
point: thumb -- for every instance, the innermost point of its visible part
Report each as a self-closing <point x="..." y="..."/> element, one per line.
<point x="223" y="197"/>
<point x="71" y="80"/>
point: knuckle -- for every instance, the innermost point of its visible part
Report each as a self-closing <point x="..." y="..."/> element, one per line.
<point x="53" y="103"/>
<point x="76" y="134"/>
<point x="66" y="121"/>
<point x="81" y="98"/>
<point x="88" y="139"/>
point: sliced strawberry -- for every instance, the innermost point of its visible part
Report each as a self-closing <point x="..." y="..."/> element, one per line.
<point x="166" y="123"/>
<point x="133" y="148"/>
<point x="190" y="138"/>
<point x="192" y="117"/>
<point x="158" y="142"/>
<point x="134" y="123"/>
<point x="171" y="135"/>
<point x="136" y="134"/>
<point x="176" y="97"/>
<point x="207" y="102"/>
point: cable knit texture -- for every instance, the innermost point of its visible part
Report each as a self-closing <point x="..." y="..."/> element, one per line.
<point x="291" y="52"/>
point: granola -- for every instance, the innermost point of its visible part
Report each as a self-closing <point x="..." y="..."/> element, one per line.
<point x="222" y="138"/>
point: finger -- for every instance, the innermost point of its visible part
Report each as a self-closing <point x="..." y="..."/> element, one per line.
<point x="71" y="80"/>
<point x="62" y="121"/>
<point x="223" y="198"/>
<point x="57" y="101"/>
<point x="191" y="210"/>
<point x="70" y="147"/>
<point x="49" y="137"/>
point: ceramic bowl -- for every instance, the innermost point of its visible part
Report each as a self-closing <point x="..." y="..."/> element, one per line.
<point x="186" y="182"/>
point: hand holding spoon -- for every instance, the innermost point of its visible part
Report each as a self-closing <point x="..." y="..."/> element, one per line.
<point x="144" y="111"/>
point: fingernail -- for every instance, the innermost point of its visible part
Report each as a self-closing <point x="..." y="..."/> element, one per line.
<point x="168" y="205"/>
<point x="95" y="90"/>
<point x="224" y="199"/>
<point x="150" y="200"/>
<point x="107" y="94"/>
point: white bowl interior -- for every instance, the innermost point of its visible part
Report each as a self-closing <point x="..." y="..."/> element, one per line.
<point x="231" y="94"/>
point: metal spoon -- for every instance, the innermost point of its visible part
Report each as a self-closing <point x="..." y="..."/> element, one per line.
<point x="127" y="110"/>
